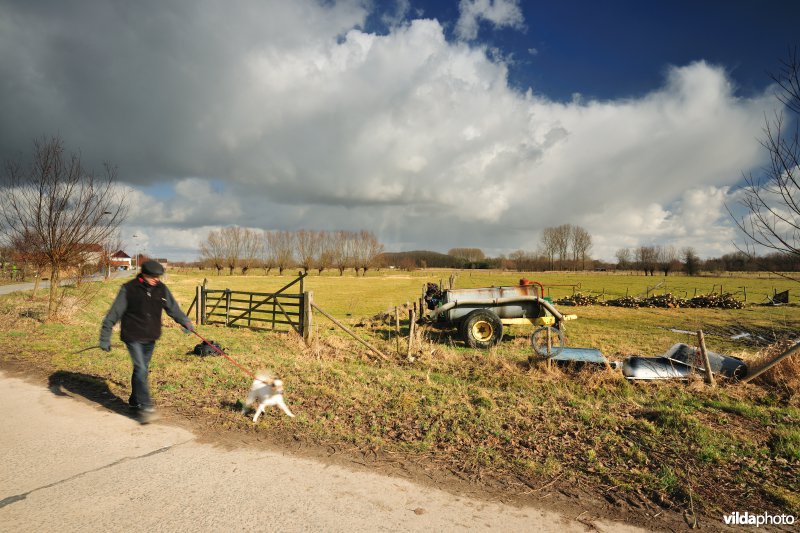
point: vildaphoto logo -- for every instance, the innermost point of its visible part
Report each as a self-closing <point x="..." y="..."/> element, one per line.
<point x="762" y="519"/>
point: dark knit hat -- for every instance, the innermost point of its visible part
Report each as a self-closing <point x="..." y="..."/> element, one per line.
<point x="152" y="268"/>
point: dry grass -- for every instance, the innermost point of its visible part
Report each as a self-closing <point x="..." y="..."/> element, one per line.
<point x="785" y="376"/>
<point x="486" y="416"/>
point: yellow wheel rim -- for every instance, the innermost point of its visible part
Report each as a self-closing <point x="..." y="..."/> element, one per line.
<point x="482" y="331"/>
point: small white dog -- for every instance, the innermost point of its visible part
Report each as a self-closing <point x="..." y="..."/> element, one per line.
<point x="265" y="391"/>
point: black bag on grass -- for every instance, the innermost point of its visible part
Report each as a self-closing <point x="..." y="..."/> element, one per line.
<point x="205" y="349"/>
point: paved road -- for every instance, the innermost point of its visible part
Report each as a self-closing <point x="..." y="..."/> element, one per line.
<point x="14" y="287"/>
<point x="71" y="465"/>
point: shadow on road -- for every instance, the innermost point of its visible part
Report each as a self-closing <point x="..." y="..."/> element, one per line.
<point x="93" y="388"/>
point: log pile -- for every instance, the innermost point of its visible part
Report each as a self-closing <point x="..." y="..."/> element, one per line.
<point x="630" y="302"/>
<point x="721" y="301"/>
<point x="579" y="299"/>
<point x="664" y="301"/>
<point x="670" y="301"/>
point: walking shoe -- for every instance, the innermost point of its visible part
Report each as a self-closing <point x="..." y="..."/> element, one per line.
<point x="147" y="415"/>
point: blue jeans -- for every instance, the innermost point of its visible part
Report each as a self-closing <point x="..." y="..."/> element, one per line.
<point x="141" y="353"/>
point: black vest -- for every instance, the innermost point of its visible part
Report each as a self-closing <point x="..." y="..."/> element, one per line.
<point x="142" y="319"/>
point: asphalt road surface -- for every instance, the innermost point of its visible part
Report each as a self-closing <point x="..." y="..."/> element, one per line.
<point x="28" y="285"/>
<point x="70" y="465"/>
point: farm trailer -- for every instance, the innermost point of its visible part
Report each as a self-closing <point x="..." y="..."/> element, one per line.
<point x="479" y="314"/>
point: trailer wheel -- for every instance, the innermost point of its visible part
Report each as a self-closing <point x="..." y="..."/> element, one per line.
<point x="481" y="329"/>
<point x="547" y="342"/>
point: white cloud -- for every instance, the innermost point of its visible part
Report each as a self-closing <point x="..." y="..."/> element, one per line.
<point x="499" y="13"/>
<point x="286" y="115"/>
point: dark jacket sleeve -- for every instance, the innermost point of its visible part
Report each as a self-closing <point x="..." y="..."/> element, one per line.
<point x="173" y="309"/>
<point x="114" y="315"/>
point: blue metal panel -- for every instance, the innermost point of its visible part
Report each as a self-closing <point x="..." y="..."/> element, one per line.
<point x="582" y="355"/>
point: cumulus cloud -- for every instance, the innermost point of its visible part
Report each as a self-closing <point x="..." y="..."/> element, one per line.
<point x="289" y="115"/>
<point x="499" y="13"/>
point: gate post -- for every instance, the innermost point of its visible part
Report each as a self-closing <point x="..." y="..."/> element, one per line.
<point x="227" y="306"/>
<point x="308" y="299"/>
<point x="198" y="313"/>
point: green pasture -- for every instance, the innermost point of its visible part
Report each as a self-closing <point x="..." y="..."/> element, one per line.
<point x="615" y="331"/>
<point x="486" y="415"/>
<point x="382" y="289"/>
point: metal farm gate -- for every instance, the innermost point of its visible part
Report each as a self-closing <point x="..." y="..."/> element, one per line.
<point x="278" y="311"/>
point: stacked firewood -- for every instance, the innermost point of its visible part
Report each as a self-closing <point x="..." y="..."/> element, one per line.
<point x="579" y="300"/>
<point x="666" y="301"/>
<point x="631" y="302"/>
<point x="670" y="301"/>
<point x="722" y="301"/>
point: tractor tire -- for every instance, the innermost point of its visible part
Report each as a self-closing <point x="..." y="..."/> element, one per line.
<point x="481" y="329"/>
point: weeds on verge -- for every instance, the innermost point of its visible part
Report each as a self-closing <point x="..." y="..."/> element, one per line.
<point x="484" y="415"/>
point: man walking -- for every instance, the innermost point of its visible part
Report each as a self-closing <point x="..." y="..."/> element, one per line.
<point x="139" y="304"/>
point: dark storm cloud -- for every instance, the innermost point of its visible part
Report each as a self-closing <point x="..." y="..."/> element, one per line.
<point x="289" y="115"/>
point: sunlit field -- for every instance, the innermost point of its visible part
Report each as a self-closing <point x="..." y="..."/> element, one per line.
<point x="486" y="415"/>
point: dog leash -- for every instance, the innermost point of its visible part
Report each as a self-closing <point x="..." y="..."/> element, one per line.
<point x="223" y="354"/>
<point x="86" y="349"/>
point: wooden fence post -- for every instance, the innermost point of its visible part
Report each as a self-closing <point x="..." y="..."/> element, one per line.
<point x="349" y="332"/>
<point x="397" y="328"/>
<point x="709" y="374"/>
<point x="198" y="314"/>
<point x="308" y="300"/>
<point x="227" y="306"/>
<point x="411" y="331"/>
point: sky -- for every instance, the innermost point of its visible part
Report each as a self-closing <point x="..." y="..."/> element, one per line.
<point x="434" y="124"/>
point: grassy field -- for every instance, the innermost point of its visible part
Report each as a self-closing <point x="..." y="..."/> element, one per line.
<point x="484" y="416"/>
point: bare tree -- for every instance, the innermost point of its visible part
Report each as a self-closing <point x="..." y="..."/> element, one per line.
<point x="233" y="244"/>
<point x="27" y="250"/>
<point x="110" y="246"/>
<point x="251" y="249"/>
<point x="281" y="244"/>
<point x="581" y="243"/>
<point x="773" y="199"/>
<point x="691" y="262"/>
<point x="342" y="246"/>
<point x="521" y="259"/>
<point x="561" y="238"/>
<point x="267" y="252"/>
<point x="61" y="205"/>
<point x="647" y="259"/>
<point x="549" y="246"/>
<point x="325" y="250"/>
<point x="366" y="249"/>
<point x="623" y="258"/>
<point x="307" y="244"/>
<point x="212" y="251"/>
<point x="667" y="257"/>
<point x="468" y="255"/>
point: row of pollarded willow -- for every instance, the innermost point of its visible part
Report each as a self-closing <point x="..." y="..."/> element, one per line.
<point x="241" y="248"/>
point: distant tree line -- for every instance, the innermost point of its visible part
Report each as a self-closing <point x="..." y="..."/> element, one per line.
<point x="241" y="249"/>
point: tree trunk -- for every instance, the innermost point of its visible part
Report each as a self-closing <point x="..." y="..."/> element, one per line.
<point x="35" y="287"/>
<point x="52" y="303"/>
